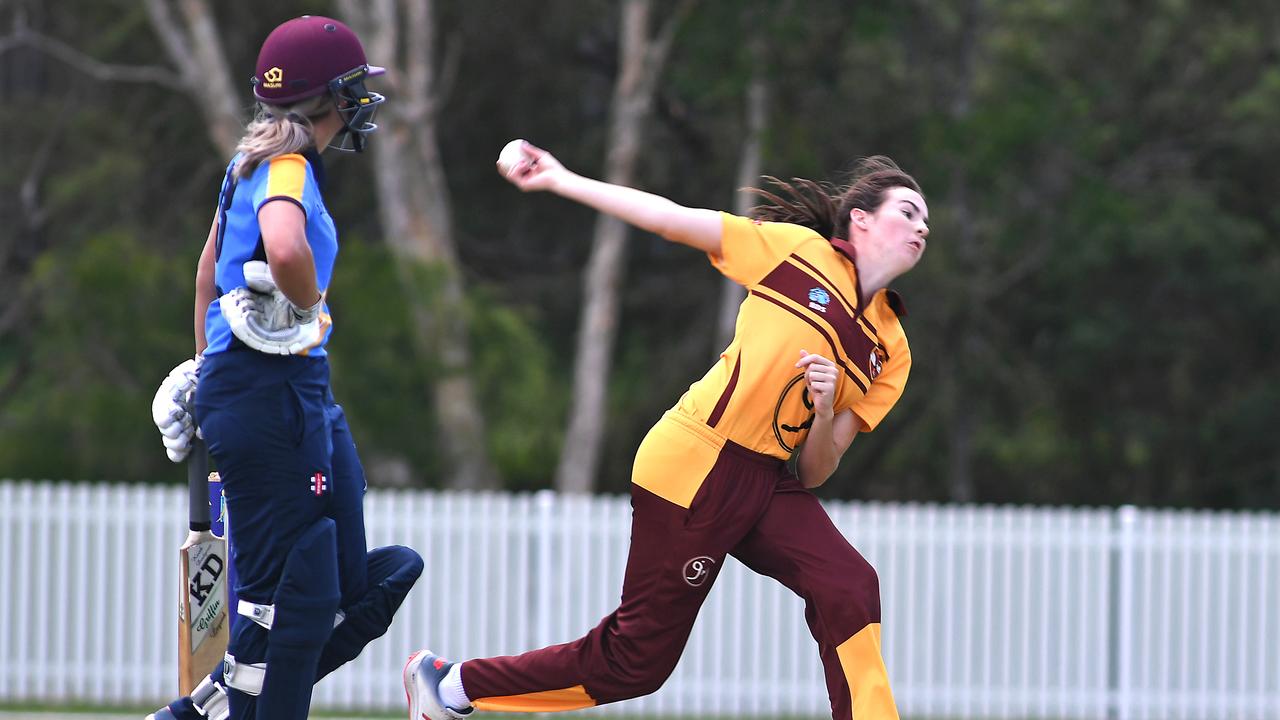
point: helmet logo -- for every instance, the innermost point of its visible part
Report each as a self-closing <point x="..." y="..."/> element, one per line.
<point x="273" y="78"/>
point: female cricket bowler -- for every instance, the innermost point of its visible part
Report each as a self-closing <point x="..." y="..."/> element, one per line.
<point x="819" y="355"/>
<point x="310" y="598"/>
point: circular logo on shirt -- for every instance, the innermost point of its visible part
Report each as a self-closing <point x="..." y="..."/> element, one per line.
<point x="787" y="429"/>
<point x="697" y="570"/>
<point x="875" y="364"/>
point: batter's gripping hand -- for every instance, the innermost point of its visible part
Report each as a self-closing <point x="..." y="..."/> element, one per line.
<point x="264" y="319"/>
<point x="171" y="408"/>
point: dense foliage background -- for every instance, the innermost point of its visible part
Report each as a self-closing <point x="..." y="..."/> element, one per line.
<point x="1097" y="320"/>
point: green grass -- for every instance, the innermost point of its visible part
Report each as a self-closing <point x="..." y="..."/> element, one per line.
<point x="139" y="711"/>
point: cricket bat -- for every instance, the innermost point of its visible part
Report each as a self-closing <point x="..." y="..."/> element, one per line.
<point x="203" y="624"/>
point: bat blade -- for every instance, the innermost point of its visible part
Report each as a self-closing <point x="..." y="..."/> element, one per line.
<point x="203" y="625"/>
<point x="202" y="614"/>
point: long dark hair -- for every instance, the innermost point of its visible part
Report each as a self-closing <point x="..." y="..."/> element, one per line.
<point x="824" y="207"/>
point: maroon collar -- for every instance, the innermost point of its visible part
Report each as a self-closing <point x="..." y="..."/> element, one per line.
<point x="895" y="303"/>
<point x="844" y="247"/>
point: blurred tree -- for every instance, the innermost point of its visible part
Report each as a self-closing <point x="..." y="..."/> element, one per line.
<point x="1094" y="321"/>
<point x="194" y="45"/>
<point x="85" y="313"/>
<point x="417" y="221"/>
<point x="755" y="119"/>
<point x="641" y="60"/>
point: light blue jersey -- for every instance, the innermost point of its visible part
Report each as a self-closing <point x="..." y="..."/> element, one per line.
<point x="289" y="178"/>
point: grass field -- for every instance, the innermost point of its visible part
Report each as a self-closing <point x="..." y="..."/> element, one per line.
<point x="19" y="711"/>
<point x="45" y="712"/>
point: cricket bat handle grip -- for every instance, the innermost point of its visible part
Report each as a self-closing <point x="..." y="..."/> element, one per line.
<point x="198" y="486"/>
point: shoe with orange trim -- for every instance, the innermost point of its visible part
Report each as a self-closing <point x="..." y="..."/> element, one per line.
<point x="422" y="676"/>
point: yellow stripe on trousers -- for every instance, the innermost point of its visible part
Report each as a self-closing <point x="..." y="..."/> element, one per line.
<point x="864" y="670"/>
<point x="573" y="698"/>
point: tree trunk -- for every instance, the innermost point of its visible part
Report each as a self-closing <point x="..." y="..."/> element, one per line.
<point x="960" y="484"/>
<point x="414" y="203"/>
<point x="749" y="168"/>
<point x="417" y="222"/>
<point x="195" y="48"/>
<point x="641" y="59"/>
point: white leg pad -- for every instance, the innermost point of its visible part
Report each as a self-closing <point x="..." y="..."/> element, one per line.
<point x="264" y="615"/>
<point x="245" y="677"/>
<point x="210" y="699"/>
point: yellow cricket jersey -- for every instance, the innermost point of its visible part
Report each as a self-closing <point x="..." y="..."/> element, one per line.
<point x="803" y="293"/>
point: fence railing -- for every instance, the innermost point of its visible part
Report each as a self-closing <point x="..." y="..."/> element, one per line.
<point x="989" y="612"/>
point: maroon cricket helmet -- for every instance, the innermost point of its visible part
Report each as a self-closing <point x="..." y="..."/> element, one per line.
<point x="310" y="55"/>
<point x="303" y="56"/>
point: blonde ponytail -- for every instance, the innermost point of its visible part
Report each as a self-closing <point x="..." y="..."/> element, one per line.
<point x="278" y="130"/>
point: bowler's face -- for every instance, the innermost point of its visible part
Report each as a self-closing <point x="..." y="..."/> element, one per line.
<point x="899" y="228"/>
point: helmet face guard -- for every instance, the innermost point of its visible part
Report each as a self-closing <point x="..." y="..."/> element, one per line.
<point x="356" y="106"/>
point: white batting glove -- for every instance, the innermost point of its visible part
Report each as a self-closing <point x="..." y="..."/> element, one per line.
<point x="177" y="448"/>
<point x="257" y="275"/>
<point x="171" y="408"/>
<point x="263" y="318"/>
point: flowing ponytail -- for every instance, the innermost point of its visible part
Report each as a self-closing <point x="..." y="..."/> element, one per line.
<point x="823" y="207"/>
<point x="278" y="130"/>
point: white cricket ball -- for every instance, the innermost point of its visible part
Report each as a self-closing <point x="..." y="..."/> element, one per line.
<point x="510" y="156"/>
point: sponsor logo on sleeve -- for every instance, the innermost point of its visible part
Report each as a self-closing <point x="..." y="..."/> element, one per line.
<point x="875" y="364"/>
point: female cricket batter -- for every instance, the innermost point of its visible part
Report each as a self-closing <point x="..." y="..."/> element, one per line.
<point x="819" y="356"/>
<point x="310" y="597"/>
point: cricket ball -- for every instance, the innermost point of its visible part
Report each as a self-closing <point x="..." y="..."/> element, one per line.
<point x="510" y="156"/>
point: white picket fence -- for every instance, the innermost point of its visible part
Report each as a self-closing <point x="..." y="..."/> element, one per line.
<point x="989" y="612"/>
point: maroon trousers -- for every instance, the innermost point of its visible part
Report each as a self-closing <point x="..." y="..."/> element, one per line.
<point x="748" y="506"/>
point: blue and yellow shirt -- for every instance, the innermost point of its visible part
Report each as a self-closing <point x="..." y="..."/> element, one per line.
<point x="292" y="178"/>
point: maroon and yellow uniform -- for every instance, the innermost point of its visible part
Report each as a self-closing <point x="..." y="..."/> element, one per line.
<point x="710" y="479"/>
<point x="803" y="293"/>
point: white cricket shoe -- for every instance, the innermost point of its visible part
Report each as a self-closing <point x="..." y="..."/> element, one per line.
<point x="422" y="676"/>
<point x="208" y="701"/>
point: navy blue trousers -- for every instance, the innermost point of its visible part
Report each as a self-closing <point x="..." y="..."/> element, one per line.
<point x="295" y="488"/>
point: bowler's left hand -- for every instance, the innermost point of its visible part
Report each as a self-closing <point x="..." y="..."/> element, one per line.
<point x="821" y="378"/>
